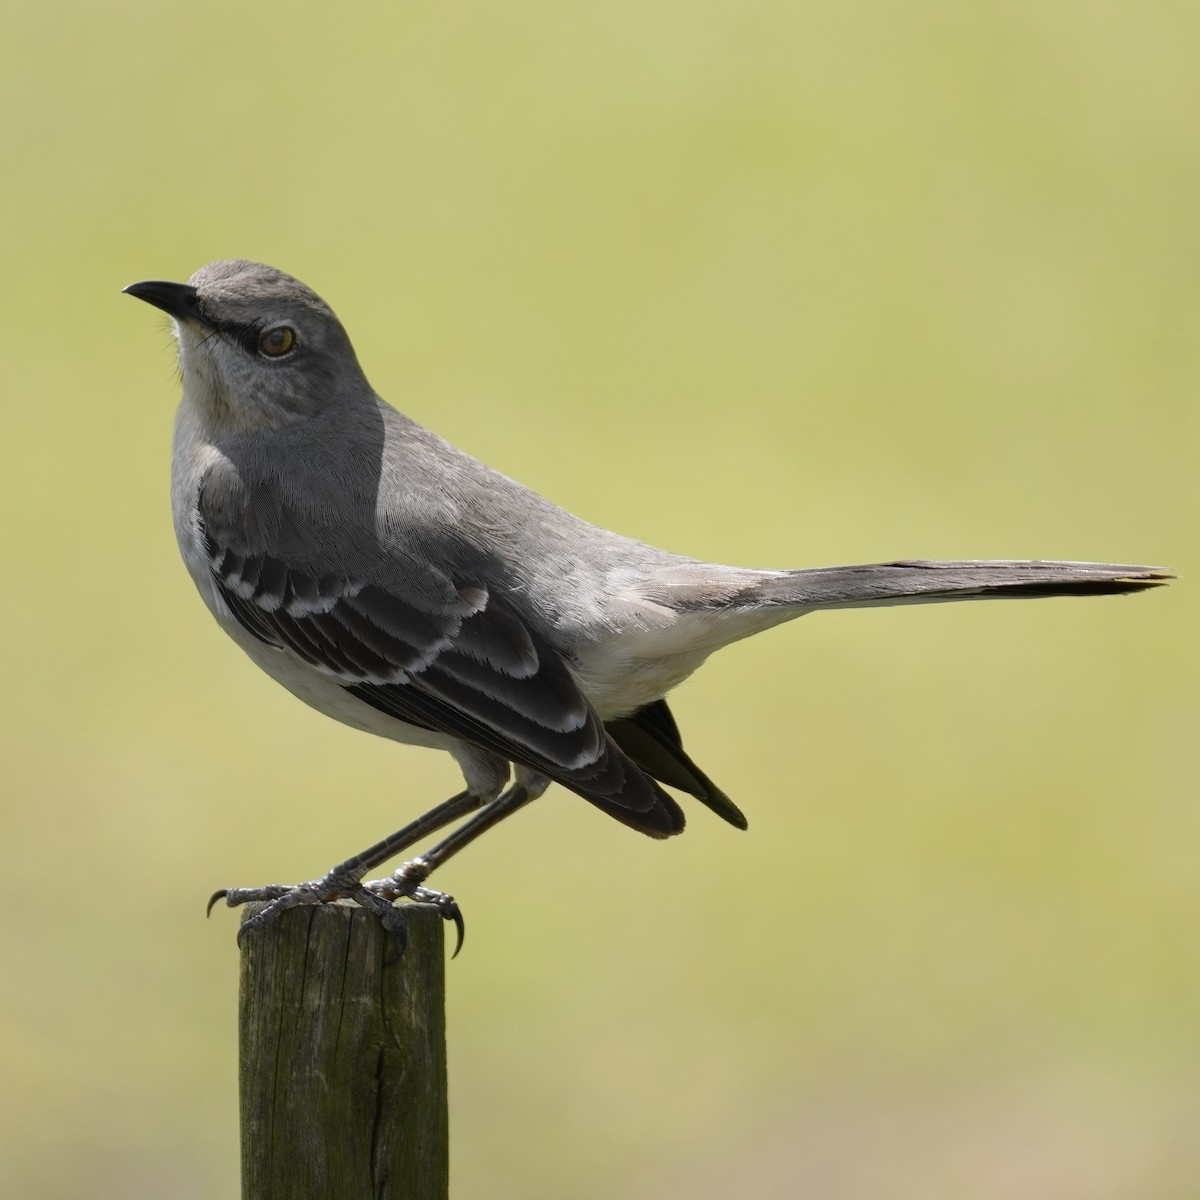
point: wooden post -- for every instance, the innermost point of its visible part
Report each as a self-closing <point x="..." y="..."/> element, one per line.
<point x="343" y="1058"/>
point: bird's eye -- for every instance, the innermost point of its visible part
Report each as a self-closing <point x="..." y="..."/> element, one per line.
<point x="276" y="342"/>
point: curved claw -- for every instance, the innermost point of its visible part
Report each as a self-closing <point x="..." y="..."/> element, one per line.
<point x="249" y="924"/>
<point x="454" y="914"/>
<point x="219" y="894"/>
<point x="447" y="907"/>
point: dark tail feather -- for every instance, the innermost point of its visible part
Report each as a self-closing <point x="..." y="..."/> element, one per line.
<point x="915" y="581"/>
<point x="651" y="738"/>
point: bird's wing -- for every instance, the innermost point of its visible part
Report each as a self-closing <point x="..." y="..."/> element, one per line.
<point x="438" y="652"/>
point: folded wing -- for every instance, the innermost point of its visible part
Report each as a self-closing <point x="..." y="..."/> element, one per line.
<point x="447" y="655"/>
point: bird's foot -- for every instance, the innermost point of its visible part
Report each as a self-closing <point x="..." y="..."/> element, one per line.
<point x="375" y="895"/>
<point x="406" y="882"/>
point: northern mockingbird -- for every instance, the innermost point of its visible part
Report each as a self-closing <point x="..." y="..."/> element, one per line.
<point x="403" y="587"/>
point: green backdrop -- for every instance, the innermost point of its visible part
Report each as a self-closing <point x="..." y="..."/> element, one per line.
<point x="830" y="283"/>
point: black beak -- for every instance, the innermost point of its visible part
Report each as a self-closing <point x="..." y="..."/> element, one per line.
<point x="179" y="300"/>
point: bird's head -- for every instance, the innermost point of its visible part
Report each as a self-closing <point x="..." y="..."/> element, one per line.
<point x="257" y="348"/>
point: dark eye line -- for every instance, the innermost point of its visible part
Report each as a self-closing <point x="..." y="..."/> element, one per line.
<point x="246" y="333"/>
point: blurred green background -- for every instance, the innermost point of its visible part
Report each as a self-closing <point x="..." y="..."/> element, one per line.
<point x="832" y="284"/>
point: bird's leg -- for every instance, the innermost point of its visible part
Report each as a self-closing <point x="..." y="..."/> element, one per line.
<point x="437" y="818"/>
<point x="407" y="879"/>
<point x="345" y="880"/>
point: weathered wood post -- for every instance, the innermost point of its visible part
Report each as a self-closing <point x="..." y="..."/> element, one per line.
<point x="343" y="1058"/>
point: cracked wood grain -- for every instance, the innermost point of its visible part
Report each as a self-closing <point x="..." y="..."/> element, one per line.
<point x="343" y="1058"/>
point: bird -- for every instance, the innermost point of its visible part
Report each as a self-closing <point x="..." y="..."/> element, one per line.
<point x="401" y="586"/>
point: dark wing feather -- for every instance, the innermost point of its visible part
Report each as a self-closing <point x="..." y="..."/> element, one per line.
<point x="651" y="738"/>
<point x="467" y="666"/>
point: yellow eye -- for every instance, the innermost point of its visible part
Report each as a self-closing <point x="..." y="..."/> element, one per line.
<point x="278" y="341"/>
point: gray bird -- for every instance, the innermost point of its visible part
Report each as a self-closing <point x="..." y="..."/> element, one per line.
<point x="403" y="587"/>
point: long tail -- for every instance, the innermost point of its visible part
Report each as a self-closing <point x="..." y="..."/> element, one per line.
<point x="916" y="581"/>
